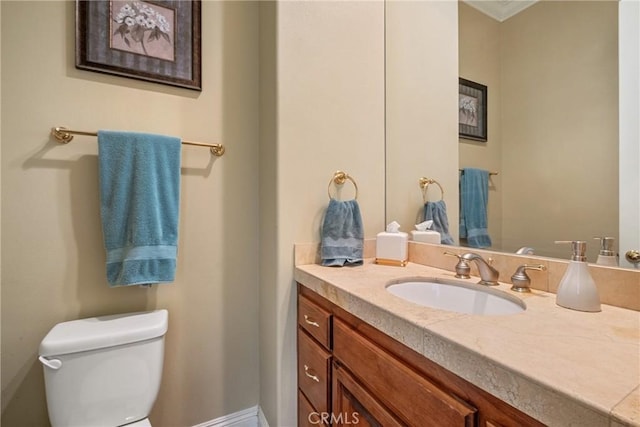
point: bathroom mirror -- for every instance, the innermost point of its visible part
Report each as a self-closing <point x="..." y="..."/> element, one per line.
<point x="552" y="78"/>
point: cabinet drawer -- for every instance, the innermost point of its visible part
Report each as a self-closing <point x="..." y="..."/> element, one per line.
<point x="314" y="370"/>
<point x="315" y="320"/>
<point x="307" y="415"/>
<point x="410" y="396"/>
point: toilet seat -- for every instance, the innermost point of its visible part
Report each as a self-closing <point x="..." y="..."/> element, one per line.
<point x="142" y="423"/>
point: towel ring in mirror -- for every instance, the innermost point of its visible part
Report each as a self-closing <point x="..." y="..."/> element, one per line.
<point x="339" y="178"/>
<point x="424" y="185"/>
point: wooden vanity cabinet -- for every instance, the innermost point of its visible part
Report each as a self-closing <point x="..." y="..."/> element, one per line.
<point x="370" y="379"/>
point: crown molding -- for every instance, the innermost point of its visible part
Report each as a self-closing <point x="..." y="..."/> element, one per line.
<point x="500" y="10"/>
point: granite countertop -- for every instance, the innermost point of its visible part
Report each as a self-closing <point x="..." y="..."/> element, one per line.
<point x="562" y="367"/>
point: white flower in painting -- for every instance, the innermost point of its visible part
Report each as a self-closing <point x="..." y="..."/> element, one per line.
<point x="126" y="9"/>
<point x="139" y="18"/>
<point x="143" y="8"/>
<point x="163" y="24"/>
<point x="467" y="110"/>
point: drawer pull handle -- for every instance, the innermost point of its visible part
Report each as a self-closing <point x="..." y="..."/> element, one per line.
<point x="310" y="321"/>
<point x="313" y="377"/>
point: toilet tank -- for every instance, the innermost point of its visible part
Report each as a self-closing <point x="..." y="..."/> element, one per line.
<point x="103" y="371"/>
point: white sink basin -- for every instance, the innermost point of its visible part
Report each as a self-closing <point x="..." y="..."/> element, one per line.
<point x="456" y="296"/>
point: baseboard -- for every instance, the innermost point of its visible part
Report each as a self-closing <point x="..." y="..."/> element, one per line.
<point x="251" y="417"/>
<point x="262" y="420"/>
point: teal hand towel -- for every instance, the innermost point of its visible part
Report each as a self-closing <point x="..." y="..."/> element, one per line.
<point x="342" y="234"/>
<point x="474" y="198"/>
<point x="437" y="212"/>
<point x="139" y="206"/>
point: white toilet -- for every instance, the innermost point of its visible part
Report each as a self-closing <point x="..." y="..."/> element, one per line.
<point x="104" y="371"/>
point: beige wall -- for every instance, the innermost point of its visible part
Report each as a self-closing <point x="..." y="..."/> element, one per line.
<point x="272" y="326"/>
<point x="479" y="54"/>
<point x="315" y="89"/>
<point x="322" y="110"/>
<point x="421" y="108"/>
<point x="629" y="101"/>
<point x="551" y="71"/>
<point x="0" y="190"/>
<point x="51" y="238"/>
<point x="565" y="77"/>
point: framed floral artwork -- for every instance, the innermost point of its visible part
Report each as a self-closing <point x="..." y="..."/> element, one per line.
<point x="158" y="41"/>
<point x="472" y="110"/>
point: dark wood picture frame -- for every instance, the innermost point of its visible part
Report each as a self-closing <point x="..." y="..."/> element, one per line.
<point x="472" y="110"/>
<point x="158" y="41"/>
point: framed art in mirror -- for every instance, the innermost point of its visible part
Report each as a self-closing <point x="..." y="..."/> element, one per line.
<point x="472" y="110"/>
<point x="158" y="41"/>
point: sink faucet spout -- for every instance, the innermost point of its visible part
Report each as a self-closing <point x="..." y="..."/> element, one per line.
<point x="488" y="274"/>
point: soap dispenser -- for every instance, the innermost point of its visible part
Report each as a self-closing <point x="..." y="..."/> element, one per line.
<point x="577" y="290"/>
<point x="606" y="256"/>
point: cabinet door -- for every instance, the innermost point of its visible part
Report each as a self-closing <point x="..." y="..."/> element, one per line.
<point x="412" y="398"/>
<point x="307" y="415"/>
<point x="353" y="405"/>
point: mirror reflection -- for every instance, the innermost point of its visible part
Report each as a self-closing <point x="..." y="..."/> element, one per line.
<point x="553" y="122"/>
<point x="551" y="73"/>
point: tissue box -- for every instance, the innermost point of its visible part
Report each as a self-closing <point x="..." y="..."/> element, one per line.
<point x="428" y="236"/>
<point x="391" y="248"/>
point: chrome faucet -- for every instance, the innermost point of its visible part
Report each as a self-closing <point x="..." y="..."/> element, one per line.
<point x="521" y="280"/>
<point x="462" y="267"/>
<point x="525" y="250"/>
<point x="488" y="274"/>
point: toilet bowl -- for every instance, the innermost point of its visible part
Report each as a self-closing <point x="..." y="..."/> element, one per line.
<point x="104" y="371"/>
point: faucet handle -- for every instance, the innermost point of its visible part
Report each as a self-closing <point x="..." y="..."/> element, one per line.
<point x="463" y="269"/>
<point x="521" y="280"/>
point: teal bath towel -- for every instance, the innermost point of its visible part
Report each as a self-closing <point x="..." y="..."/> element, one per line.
<point x="342" y="234"/>
<point x="474" y="198"/>
<point x="139" y="206"/>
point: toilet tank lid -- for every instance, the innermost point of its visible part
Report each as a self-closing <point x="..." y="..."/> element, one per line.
<point x="104" y="331"/>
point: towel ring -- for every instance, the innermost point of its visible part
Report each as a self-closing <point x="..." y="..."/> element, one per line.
<point x="339" y="178"/>
<point x="424" y="185"/>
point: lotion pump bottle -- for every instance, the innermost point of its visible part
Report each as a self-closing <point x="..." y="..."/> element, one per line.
<point x="577" y="290"/>
<point x="606" y="256"/>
